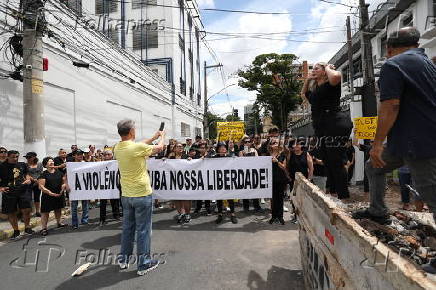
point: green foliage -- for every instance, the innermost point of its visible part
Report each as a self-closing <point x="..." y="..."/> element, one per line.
<point x="212" y="119"/>
<point x="232" y="118"/>
<point x="275" y="98"/>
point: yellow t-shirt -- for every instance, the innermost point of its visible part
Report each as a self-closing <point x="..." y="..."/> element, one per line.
<point x="130" y="155"/>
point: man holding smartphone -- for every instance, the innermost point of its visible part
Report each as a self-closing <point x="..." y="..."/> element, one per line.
<point x="136" y="194"/>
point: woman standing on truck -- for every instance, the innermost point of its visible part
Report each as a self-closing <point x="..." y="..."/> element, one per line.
<point x="322" y="89"/>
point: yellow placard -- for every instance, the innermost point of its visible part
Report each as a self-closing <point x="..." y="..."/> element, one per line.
<point x="37" y="86"/>
<point x="365" y="127"/>
<point x="230" y="131"/>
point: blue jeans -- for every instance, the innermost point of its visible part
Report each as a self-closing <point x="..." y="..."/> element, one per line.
<point x="405" y="178"/>
<point x="136" y="218"/>
<point x="85" y="209"/>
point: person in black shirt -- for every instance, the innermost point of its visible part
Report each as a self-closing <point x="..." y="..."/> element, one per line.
<point x="365" y="149"/>
<point x="70" y="156"/>
<point x="319" y="171"/>
<point x="299" y="161"/>
<point x="115" y="203"/>
<point x="3" y="154"/>
<point x="280" y="180"/>
<point x="60" y="161"/>
<point x="52" y="183"/>
<point x="183" y="206"/>
<point x="222" y="152"/>
<point x="248" y="150"/>
<point x="202" y="153"/>
<point x="14" y="183"/>
<point x="351" y="157"/>
<point x="332" y="126"/>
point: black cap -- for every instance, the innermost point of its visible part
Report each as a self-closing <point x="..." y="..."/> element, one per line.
<point x="77" y="152"/>
<point x="30" y="154"/>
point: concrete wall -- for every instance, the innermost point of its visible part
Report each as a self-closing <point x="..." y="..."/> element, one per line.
<point x="337" y="253"/>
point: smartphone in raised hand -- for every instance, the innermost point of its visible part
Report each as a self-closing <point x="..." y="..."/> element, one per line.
<point x="162" y="126"/>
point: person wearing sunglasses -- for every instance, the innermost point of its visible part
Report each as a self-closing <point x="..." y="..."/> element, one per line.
<point x="3" y="154"/>
<point x="115" y="203"/>
<point x="247" y="151"/>
<point x="183" y="206"/>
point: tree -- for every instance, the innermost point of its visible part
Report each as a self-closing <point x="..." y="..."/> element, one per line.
<point x="274" y="78"/>
<point x="212" y="119"/>
<point x="232" y="118"/>
<point x="253" y="122"/>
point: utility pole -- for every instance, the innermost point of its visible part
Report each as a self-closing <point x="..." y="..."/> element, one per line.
<point x="369" y="102"/>
<point x="350" y="58"/>
<point x="205" y="120"/>
<point x="33" y="103"/>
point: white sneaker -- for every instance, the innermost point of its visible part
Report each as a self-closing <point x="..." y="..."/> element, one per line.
<point x="149" y="267"/>
<point x="123" y="266"/>
<point x="285" y="209"/>
<point x="262" y="201"/>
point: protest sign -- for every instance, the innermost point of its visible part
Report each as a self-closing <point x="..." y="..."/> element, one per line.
<point x="180" y="179"/>
<point x="365" y="127"/>
<point x="93" y="180"/>
<point x="230" y="131"/>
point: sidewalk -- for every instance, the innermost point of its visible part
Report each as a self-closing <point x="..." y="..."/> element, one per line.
<point x="6" y="230"/>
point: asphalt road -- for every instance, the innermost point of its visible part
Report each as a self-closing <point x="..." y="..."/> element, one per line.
<point x="201" y="255"/>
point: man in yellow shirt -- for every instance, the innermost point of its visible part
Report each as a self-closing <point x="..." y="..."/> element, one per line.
<point x="136" y="195"/>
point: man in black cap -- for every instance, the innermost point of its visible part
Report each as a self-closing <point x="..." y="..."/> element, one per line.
<point x="14" y="181"/>
<point x="70" y="157"/>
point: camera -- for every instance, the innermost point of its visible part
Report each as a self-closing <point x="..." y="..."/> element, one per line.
<point x="28" y="66"/>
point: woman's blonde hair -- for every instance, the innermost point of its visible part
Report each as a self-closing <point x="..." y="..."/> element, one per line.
<point x="313" y="85"/>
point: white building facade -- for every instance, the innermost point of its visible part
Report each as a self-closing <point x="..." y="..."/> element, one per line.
<point x="166" y="35"/>
<point x="83" y="105"/>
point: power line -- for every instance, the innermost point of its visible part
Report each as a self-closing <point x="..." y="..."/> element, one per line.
<point x="338" y="3"/>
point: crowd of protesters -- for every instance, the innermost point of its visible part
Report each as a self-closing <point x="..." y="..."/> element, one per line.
<point x="41" y="187"/>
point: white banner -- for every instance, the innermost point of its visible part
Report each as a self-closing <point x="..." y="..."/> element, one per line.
<point x="180" y="179"/>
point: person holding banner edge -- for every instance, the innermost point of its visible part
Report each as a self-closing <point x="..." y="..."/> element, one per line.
<point x="221" y="153"/>
<point x="136" y="194"/>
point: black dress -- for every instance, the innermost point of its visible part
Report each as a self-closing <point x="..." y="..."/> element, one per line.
<point x="332" y="128"/>
<point x="280" y="179"/>
<point x="53" y="182"/>
<point x="298" y="163"/>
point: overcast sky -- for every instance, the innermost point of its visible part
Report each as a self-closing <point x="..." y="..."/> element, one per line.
<point x="313" y="30"/>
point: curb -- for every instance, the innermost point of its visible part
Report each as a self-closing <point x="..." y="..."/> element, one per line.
<point x="34" y="222"/>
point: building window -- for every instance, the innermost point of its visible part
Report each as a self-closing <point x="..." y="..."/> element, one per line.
<point x="149" y="38"/>
<point x="383" y="49"/>
<point x="198" y="131"/>
<point x="434" y="8"/>
<point x="113" y="35"/>
<point x="105" y="6"/>
<point x="182" y="20"/>
<point x="182" y="67"/>
<point x="197" y="40"/>
<point x="406" y="20"/>
<point x="357" y="66"/>
<point x="75" y="5"/>
<point x="136" y="4"/>
<point x="345" y="74"/>
<point x="185" y="130"/>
